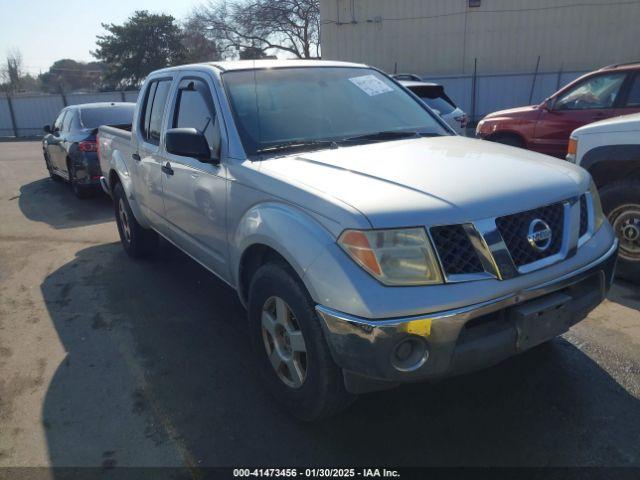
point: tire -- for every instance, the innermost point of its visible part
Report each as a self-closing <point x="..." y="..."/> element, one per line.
<point x="137" y="241"/>
<point x="80" y="191"/>
<point x="510" y="140"/>
<point x="319" y="391"/>
<point x="621" y="205"/>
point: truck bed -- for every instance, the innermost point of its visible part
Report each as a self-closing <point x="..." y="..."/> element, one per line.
<point x="114" y="146"/>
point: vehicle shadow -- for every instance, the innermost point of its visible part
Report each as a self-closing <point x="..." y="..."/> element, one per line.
<point x="53" y="202"/>
<point x="625" y="293"/>
<point x="158" y="360"/>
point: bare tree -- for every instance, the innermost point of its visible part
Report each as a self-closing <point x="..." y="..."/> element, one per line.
<point x="291" y="26"/>
<point x="12" y="73"/>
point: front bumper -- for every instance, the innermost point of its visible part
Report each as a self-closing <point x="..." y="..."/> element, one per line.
<point x="380" y="353"/>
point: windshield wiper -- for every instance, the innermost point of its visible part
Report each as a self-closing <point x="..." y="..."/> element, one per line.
<point x="387" y="135"/>
<point x="297" y="145"/>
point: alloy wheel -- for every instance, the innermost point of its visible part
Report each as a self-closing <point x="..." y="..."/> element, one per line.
<point x="124" y="220"/>
<point x="284" y="342"/>
<point x="626" y="223"/>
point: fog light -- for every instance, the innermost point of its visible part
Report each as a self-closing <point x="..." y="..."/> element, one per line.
<point x="409" y="354"/>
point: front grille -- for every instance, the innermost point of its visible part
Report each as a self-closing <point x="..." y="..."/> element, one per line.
<point x="584" y="215"/>
<point x="455" y="250"/>
<point x="515" y="228"/>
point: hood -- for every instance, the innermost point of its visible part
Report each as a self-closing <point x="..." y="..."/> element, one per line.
<point x="513" y="112"/>
<point x="624" y="123"/>
<point x="431" y="181"/>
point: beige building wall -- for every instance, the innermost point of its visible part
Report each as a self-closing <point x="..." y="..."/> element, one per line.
<point x="506" y="36"/>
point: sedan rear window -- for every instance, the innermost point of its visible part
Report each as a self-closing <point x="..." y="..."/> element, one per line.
<point x="94" y="117"/>
<point x="435" y="98"/>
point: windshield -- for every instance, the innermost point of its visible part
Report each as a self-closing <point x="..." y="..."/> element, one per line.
<point x="310" y="105"/>
<point x="95" y="116"/>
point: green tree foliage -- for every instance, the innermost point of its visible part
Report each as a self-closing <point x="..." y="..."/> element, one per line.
<point x="68" y="75"/>
<point x="145" y="42"/>
<point x="199" y="42"/>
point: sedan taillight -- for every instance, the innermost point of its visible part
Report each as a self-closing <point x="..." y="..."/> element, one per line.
<point x="88" y="146"/>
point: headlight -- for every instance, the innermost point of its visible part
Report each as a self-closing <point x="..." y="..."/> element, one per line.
<point x="598" y="214"/>
<point x="395" y="257"/>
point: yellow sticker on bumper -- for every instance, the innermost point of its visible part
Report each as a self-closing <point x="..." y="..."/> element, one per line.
<point x="420" y="327"/>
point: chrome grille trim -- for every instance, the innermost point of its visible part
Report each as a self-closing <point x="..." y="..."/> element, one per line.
<point x="495" y="256"/>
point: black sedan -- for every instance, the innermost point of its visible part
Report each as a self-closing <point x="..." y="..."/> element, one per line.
<point x="70" y="148"/>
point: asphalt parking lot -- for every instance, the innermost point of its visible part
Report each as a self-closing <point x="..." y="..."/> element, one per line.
<point x="106" y="362"/>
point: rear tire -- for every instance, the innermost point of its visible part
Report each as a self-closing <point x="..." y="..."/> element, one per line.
<point x="292" y="354"/>
<point x="621" y="205"/>
<point x="510" y="140"/>
<point x="137" y="241"/>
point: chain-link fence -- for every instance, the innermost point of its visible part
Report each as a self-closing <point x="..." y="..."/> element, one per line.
<point x="25" y="115"/>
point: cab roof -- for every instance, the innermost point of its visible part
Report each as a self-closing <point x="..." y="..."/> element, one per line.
<point x="623" y="66"/>
<point x="232" y="65"/>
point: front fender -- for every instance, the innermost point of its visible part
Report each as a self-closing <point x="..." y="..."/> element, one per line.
<point x="288" y="230"/>
<point x="120" y="172"/>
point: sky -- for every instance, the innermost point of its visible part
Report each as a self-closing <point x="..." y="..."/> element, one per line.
<point x="46" y="31"/>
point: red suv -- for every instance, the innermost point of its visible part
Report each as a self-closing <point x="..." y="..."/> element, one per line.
<point x="545" y="128"/>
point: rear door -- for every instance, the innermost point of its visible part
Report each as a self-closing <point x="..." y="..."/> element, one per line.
<point x="54" y="141"/>
<point x="592" y="99"/>
<point x="631" y="98"/>
<point x="194" y="190"/>
<point x="66" y="138"/>
<point x="148" y="157"/>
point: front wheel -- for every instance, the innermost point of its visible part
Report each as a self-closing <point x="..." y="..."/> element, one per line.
<point x="621" y="204"/>
<point x="136" y="240"/>
<point x="289" y="344"/>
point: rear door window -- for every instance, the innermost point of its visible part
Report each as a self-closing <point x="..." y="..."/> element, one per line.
<point x="67" y="122"/>
<point x="153" y="113"/>
<point x="633" y="99"/>
<point x="57" y="125"/>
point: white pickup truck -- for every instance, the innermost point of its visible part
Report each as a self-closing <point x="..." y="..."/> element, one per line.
<point x="610" y="151"/>
<point x="370" y="244"/>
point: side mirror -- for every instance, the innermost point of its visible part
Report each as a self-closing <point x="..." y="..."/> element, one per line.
<point x="47" y="129"/>
<point x="547" y="105"/>
<point x="189" y="142"/>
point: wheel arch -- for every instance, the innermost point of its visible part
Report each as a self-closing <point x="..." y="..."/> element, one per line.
<point x="611" y="163"/>
<point x="276" y="231"/>
<point x="507" y="133"/>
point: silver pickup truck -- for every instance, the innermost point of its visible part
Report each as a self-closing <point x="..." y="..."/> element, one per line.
<point x="370" y="244"/>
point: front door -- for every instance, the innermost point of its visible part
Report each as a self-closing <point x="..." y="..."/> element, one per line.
<point x="595" y="98"/>
<point x="195" y="191"/>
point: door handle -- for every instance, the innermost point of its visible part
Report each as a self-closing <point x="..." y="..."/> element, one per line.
<point x="166" y="168"/>
<point x="135" y="156"/>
